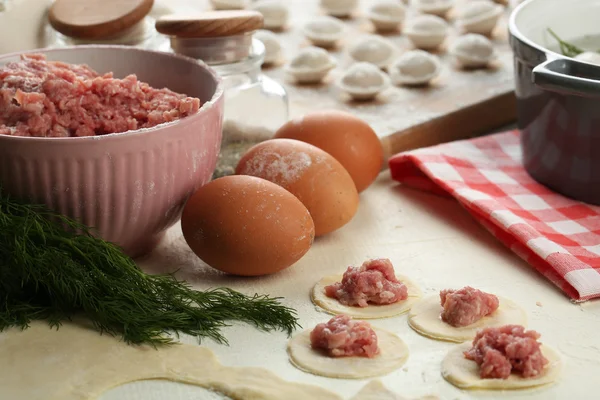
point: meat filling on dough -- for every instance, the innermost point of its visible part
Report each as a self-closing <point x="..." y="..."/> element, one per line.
<point x="466" y="306"/>
<point x="342" y="336"/>
<point x="505" y="350"/>
<point x="373" y="282"/>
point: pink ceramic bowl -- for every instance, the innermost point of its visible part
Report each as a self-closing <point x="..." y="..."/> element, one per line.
<point x="130" y="186"/>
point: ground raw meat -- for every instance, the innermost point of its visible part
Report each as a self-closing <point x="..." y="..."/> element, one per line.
<point x="373" y="282"/>
<point x="342" y="336"/>
<point x="54" y="99"/>
<point x="466" y="306"/>
<point x="505" y="350"/>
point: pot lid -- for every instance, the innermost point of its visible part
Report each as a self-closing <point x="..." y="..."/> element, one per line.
<point x="210" y="24"/>
<point x="97" y="19"/>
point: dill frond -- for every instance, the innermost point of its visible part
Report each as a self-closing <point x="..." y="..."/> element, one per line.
<point x="53" y="268"/>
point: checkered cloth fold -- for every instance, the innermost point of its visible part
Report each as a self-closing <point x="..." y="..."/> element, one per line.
<point x="558" y="236"/>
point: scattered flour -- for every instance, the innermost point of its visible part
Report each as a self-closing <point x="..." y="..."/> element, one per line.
<point x="283" y="170"/>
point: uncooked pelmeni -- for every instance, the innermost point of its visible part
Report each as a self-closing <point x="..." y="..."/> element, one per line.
<point x="339" y="8"/>
<point x="424" y="318"/>
<point x="310" y="65"/>
<point x="275" y="13"/>
<point x="472" y="50"/>
<point x="435" y="7"/>
<point x="464" y="373"/>
<point x="427" y="31"/>
<point x="324" y="31"/>
<point x="480" y="16"/>
<point x="373" y="49"/>
<point x="273" y="52"/>
<point x="373" y="311"/>
<point x="363" y="81"/>
<point x="229" y="4"/>
<point x="393" y="354"/>
<point x="387" y="15"/>
<point x="415" y="68"/>
<point x="590" y="57"/>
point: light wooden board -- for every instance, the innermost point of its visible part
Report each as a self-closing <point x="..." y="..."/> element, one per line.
<point x="457" y="105"/>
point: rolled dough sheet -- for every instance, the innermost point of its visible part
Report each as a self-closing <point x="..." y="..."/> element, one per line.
<point x="424" y="317"/>
<point x="376" y="390"/>
<point x="77" y="363"/>
<point x="373" y="311"/>
<point x="393" y="354"/>
<point x="464" y="373"/>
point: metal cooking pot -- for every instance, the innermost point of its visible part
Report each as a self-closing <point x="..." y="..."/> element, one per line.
<point x="558" y="97"/>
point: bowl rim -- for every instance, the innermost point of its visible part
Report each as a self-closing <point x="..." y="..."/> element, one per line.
<point x="216" y="97"/>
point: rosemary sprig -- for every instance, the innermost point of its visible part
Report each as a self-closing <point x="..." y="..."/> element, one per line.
<point x="566" y="48"/>
<point x="53" y="268"/>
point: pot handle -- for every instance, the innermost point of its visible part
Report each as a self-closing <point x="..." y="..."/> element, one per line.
<point x="565" y="76"/>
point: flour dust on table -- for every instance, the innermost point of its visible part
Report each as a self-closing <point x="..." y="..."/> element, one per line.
<point x="376" y="390"/>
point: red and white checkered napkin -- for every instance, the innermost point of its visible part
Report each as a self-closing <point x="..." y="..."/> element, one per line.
<point x="558" y="236"/>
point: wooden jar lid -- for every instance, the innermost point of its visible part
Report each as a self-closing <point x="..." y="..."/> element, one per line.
<point x="210" y="24"/>
<point x="97" y="19"/>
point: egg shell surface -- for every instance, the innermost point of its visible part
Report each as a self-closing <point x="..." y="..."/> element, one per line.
<point x="317" y="179"/>
<point x="347" y="138"/>
<point x="247" y="226"/>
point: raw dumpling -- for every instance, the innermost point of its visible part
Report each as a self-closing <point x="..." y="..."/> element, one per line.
<point x="324" y="31"/>
<point x="415" y="68"/>
<point x="464" y="373"/>
<point x="427" y="31"/>
<point x="387" y="15"/>
<point x="435" y="7"/>
<point x="589" y="57"/>
<point x="472" y="50"/>
<point x="274" y="12"/>
<point x="393" y="355"/>
<point x="339" y="8"/>
<point x="480" y="16"/>
<point x="310" y="65"/>
<point x="363" y="81"/>
<point x="229" y="4"/>
<point x="373" y="49"/>
<point x="272" y="46"/>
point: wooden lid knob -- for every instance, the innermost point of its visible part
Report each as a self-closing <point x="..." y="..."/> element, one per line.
<point x="97" y="19"/>
<point x="210" y="24"/>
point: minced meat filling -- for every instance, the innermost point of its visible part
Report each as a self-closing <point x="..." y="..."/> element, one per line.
<point x="342" y="336"/>
<point x="54" y="99"/>
<point x="505" y="350"/>
<point x="373" y="282"/>
<point x="466" y="306"/>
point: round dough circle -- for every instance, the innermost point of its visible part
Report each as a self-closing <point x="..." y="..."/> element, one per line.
<point x="424" y="317"/>
<point x="464" y="373"/>
<point x="393" y="354"/>
<point x="373" y="311"/>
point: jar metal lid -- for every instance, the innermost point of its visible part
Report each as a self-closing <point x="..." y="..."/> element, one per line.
<point x="97" y="19"/>
<point x="210" y="24"/>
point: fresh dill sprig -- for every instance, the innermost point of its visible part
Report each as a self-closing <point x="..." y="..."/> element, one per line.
<point x="566" y="48"/>
<point x="54" y="268"/>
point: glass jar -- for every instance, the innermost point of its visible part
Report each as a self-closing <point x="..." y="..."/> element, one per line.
<point x="142" y="35"/>
<point x="255" y="105"/>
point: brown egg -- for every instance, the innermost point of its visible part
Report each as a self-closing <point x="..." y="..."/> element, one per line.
<point x="248" y="226"/>
<point x="313" y="176"/>
<point x="347" y="138"/>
